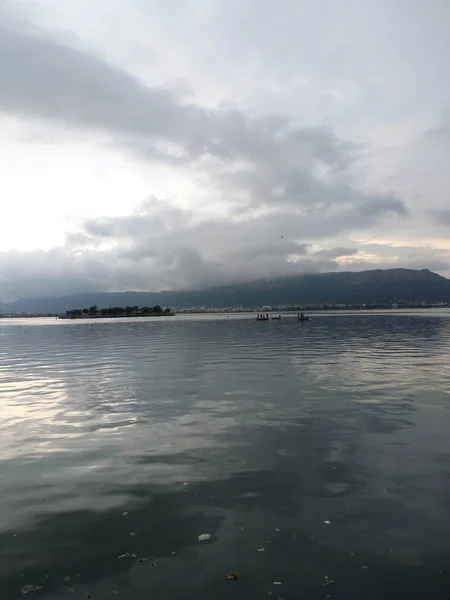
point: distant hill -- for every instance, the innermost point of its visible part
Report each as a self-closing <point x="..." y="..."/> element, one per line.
<point x="378" y="286"/>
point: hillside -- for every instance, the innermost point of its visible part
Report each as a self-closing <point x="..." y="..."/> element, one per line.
<point x="378" y="286"/>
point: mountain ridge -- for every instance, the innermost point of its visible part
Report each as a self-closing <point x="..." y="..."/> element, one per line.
<point x="342" y="287"/>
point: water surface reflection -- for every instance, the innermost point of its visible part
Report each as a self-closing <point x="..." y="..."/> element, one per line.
<point x="323" y="444"/>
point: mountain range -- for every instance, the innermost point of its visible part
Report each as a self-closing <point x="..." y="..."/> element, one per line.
<point x="377" y="286"/>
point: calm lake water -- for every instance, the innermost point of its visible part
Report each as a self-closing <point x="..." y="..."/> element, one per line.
<point x="305" y="450"/>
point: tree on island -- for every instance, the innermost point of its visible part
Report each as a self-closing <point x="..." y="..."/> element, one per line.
<point x="157" y="309"/>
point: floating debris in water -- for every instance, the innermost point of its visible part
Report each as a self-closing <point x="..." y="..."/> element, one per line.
<point x="125" y="514"/>
<point x="143" y="559"/>
<point x="327" y="522"/>
<point x="232" y="576"/>
<point x="364" y="567"/>
<point x="277" y="583"/>
<point x="325" y="583"/>
<point x="133" y="533"/>
<point x="29" y="587"/>
<point x="203" y="537"/>
<point x="134" y="555"/>
<point x="276" y="529"/>
<point x="126" y="555"/>
<point x="66" y="578"/>
<point x="71" y="590"/>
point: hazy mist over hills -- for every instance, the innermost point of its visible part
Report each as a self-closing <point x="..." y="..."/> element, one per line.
<point x="334" y="288"/>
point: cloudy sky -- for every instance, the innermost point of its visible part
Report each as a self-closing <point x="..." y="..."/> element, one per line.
<point x="149" y="145"/>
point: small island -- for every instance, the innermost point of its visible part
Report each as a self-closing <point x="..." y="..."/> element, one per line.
<point x="93" y="312"/>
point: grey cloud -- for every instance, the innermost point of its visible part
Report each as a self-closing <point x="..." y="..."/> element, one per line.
<point x="178" y="253"/>
<point x="44" y="79"/>
<point x="441" y="217"/>
<point x="263" y="251"/>
<point x="442" y="131"/>
<point x="291" y="186"/>
<point x="183" y="254"/>
<point x="243" y="247"/>
<point x="377" y="205"/>
<point x="151" y="217"/>
<point x="267" y="157"/>
<point x="184" y="266"/>
<point x="160" y="229"/>
<point x="41" y="78"/>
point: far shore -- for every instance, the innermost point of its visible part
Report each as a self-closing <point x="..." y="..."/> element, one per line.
<point x="79" y="314"/>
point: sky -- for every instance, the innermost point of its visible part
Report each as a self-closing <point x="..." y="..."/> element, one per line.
<point x="149" y="145"/>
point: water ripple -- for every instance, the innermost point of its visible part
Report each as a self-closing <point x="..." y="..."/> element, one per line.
<point x="330" y="413"/>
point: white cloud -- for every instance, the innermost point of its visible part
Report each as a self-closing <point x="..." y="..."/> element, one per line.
<point x="275" y="136"/>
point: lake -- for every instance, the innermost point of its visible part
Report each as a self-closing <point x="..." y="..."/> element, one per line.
<point x="302" y="450"/>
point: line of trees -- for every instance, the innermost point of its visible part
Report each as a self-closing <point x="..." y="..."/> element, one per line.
<point x="118" y="311"/>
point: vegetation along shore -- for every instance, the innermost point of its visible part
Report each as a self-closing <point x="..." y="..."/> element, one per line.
<point x="93" y="312"/>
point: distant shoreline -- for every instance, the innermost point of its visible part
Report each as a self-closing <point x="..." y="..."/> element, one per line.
<point x="229" y="311"/>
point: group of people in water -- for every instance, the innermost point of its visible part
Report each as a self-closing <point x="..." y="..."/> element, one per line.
<point x="265" y="317"/>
